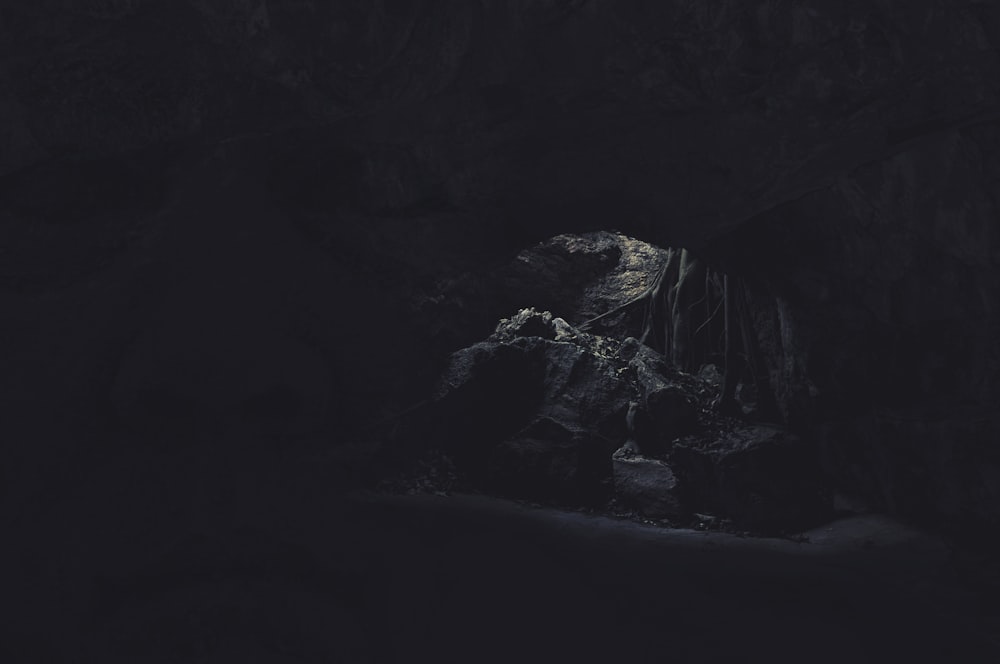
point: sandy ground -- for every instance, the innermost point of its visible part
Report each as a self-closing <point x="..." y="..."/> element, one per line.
<point x="544" y="585"/>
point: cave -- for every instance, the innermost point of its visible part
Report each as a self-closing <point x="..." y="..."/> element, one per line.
<point x="564" y="330"/>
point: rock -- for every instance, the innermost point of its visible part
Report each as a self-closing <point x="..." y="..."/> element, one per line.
<point x="564" y="331"/>
<point x="528" y="323"/>
<point x="647" y="484"/>
<point x="762" y="477"/>
<point x="583" y="276"/>
<point x="559" y="269"/>
<point x="576" y="277"/>
<point x="671" y="411"/>
<point x="549" y="460"/>
<point x="488" y="392"/>
<point x="532" y="416"/>
<point x="667" y="410"/>
<point x="538" y="409"/>
<point x="629" y="348"/>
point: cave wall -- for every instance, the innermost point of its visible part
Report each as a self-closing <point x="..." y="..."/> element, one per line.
<point x="839" y="154"/>
<point x="674" y="120"/>
<point x="876" y="300"/>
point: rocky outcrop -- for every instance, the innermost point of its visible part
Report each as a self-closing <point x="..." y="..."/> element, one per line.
<point x="578" y="277"/>
<point x="669" y="409"/>
<point x="648" y="484"/>
<point x="541" y="410"/>
<point x="875" y="304"/>
<point x="763" y="478"/>
<point x="537" y="409"/>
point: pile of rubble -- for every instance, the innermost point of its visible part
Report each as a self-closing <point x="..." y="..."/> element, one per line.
<point x="544" y="412"/>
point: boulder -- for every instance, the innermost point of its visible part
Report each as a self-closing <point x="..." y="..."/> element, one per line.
<point x="648" y="485"/>
<point x="550" y="460"/>
<point x="536" y="410"/>
<point x="762" y="477"/>
<point x="583" y="276"/>
<point x="488" y="392"/>
<point x="668" y="410"/>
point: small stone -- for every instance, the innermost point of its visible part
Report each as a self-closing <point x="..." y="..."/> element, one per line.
<point x="564" y="332"/>
<point x="526" y="323"/>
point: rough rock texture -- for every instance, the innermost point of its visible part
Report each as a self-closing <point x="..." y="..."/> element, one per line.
<point x="551" y="458"/>
<point x="761" y="477"/>
<point x="668" y="409"/>
<point x="575" y="276"/>
<point x="649" y="484"/>
<point x="536" y="410"/>
<point x="876" y="297"/>
<point x="541" y="410"/>
<point x="580" y="277"/>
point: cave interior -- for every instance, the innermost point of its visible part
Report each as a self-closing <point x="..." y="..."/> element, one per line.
<point x="472" y="332"/>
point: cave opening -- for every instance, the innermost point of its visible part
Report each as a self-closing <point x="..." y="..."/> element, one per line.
<point x="621" y="377"/>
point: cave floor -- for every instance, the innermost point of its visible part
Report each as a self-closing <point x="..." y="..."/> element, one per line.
<point x="145" y="566"/>
<point x="494" y="580"/>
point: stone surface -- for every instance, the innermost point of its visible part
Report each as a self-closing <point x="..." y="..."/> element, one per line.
<point x="575" y="276"/>
<point x="530" y="323"/>
<point x="533" y="395"/>
<point x="535" y="416"/>
<point x="761" y="477"/>
<point x="529" y="416"/>
<point x="648" y="484"/>
<point x="550" y="460"/>
<point x="583" y="276"/>
<point x="669" y="409"/>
